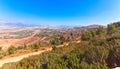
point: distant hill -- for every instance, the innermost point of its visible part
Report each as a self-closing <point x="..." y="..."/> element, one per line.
<point x="89" y="27"/>
<point x="117" y="24"/>
<point x="60" y="26"/>
<point x="18" y="24"/>
<point x="92" y="26"/>
<point x="14" y="25"/>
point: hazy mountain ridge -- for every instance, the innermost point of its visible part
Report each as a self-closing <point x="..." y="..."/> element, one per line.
<point x="14" y="25"/>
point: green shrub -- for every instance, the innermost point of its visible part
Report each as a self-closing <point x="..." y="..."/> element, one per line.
<point x="11" y="49"/>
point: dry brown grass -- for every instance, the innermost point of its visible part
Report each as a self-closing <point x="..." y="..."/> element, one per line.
<point x="5" y="43"/>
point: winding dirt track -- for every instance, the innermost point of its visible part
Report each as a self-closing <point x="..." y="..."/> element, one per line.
<point x="20" y="57"/>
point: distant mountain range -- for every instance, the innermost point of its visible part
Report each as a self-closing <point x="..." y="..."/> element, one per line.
<point x="14" y="25"/>
<point x="60" y="26"/>
<point x="10" y="25"/>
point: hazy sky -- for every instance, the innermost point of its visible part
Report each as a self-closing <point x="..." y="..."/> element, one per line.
<point x="60" y="12"/>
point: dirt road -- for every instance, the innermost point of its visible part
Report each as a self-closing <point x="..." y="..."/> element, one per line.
<point x="18" y="58"/>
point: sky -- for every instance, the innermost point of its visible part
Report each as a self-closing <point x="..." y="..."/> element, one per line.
<point x="60" y="12"/>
